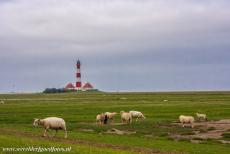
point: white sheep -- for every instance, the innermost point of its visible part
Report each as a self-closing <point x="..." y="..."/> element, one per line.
<point x="111" y="115"/>
<point x="201" y="116"/>
<point x="137" y="115"/>
<point x="100" y="119"/>
<point x="126" y="117"/>
<point x="186" y="120"/>
<point x="2" y="102"/>
<point x="51" y="123"/>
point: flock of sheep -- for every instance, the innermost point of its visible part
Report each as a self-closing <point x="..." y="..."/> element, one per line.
<point x="126" y="117"/>
<point x="103" y="118"/>
<point x="56" y="123"/>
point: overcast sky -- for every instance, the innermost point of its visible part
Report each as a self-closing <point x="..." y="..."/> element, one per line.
<point x="131" y="45"/>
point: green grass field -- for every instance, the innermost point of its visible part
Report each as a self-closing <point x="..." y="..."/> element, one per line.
<point x="79" y="111"/>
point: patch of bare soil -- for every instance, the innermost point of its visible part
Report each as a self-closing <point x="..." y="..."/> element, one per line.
<point x="109" y="123"/>
<point x="207" y="130"/>
<point x="85" y="130"/>
<point x="119" y="132"/>
<point x="84" y="142"/>
<point x="116" y="124"/>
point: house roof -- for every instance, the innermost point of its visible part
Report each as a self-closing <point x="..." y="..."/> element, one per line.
<point x="69" y="86"/>
<point x="87" y="85"/>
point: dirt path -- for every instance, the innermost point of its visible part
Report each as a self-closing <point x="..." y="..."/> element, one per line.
<point x="219" y="127"/>
<point x="207" y="130"/>
<point x="84" y="142"/>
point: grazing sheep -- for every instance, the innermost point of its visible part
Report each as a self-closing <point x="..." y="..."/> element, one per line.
<point x="111" y="115"/>
<point x="126" y="117"/>
<point x="51" y="123"/>
<point x="137" y="115"/>
<point x="2" y="102"/>
<point x="186" y="120"/>
<point x="106" y="119"/>
<point x="201" y="116"/>
<point x="100" y="118"/>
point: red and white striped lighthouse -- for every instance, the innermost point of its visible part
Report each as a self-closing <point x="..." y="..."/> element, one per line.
<point x="78" y="75"/>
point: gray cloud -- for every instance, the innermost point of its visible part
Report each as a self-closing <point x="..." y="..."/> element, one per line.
<point x="124" y="45"/>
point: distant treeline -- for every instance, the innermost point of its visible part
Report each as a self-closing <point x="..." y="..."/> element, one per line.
<point x="55" y="90"/>
<point x="63" y="90"/>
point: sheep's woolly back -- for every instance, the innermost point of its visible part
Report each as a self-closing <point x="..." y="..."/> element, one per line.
<point x="51" y="122"/>
<point x="126" y="116"/>
<point x="136" y="114"/>
<point x="186" y="119"/>
<point x="100" y="117"/>
<point x="110" y="114"/>
<point x="201" y="115"/>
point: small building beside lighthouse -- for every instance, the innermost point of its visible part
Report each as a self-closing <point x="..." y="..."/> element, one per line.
<point x="87" y="87"/>
<point x="70" y="86"/>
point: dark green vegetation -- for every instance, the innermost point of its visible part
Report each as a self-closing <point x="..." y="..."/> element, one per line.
<point x="63" y="90"/>
<point x="79" y="111"/>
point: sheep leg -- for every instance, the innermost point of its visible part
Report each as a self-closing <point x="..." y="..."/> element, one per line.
<point x="44" y="134"/>
<point x="130" y="120"/>
<point x="192" y="125"/>
<point x="65" y="133"/>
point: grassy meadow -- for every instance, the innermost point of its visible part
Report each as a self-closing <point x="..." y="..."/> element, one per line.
<point x="84" y="136"/>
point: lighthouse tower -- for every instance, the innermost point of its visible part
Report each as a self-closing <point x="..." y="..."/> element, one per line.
<point x="78" y="75"/>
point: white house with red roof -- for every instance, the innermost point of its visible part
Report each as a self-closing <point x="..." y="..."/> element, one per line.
<point x="87" y="86"/>
<point x="69" y="86"/>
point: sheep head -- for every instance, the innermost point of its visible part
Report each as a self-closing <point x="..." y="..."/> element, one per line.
<point x="36" y="122"/>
